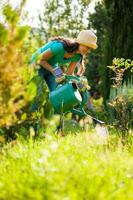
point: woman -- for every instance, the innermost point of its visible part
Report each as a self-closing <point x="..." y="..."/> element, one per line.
<point x="57" y="52"/>
<point x="60" y="51"/>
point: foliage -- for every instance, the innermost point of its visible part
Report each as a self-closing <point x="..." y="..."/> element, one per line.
<point x="114" y="29"/>
<point x="65" y="18"/>
<point x="13" y="61"/>
<point x="120" y="65"/>
<point x="123" y="112"/>
<point x="120" y="35"/>
<point x="73" y="167"/>
<point x="121" y="96"/>
<point x="18" y="80"/>
<point x="96" y="70"/>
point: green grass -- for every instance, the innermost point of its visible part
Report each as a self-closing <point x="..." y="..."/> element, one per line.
<point x="74" y="167"/>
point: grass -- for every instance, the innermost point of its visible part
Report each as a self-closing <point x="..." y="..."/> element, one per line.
<point x="74" y="167"/>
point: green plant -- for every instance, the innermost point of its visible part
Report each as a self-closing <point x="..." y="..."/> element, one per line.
<point x="119" y="66"/>
<point x="74" y="167"/>
<point x="18" y="80"/>
<point x="121" y="96"/>
<point x="12" y="63"/>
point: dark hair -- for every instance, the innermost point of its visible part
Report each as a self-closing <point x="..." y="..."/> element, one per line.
<point x="69" y="45"/>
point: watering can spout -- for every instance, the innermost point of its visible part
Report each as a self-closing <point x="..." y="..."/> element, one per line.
<point x="82" y="113"/>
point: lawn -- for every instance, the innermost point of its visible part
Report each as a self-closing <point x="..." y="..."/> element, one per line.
<point x="75" y="167"/>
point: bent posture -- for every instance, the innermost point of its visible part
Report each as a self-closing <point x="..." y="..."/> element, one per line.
<point x="59" y="51"/>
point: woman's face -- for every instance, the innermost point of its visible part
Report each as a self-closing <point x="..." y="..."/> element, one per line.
<point x="83" y="50"/>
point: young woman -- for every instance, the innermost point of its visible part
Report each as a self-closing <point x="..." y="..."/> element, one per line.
<point x="60" y="51"/>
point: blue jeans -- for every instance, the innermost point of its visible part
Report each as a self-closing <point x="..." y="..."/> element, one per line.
<point x="48" y="77"/>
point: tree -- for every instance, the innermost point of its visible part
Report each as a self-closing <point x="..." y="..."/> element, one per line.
<point x="12" y="63"/>
<point x="64" y="18"/>
<point x="113" y="21"/>
<point x="96" y="70"/>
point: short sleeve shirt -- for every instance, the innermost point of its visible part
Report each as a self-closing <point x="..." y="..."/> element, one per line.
<point x="58" y="51"/>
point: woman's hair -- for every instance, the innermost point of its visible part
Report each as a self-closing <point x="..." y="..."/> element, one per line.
<point x="69" y="45"/>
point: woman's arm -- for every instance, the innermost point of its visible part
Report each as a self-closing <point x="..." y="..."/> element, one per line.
<point x="43" y="61"/>
<point x="80" y="66"/>
<point x="73" y="65"/>
<point x="81" y="69"/>
<point x="71" y="68"/>
<point x="57" y="72"/>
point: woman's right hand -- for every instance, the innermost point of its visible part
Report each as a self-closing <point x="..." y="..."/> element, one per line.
<point x="59" y="75"/>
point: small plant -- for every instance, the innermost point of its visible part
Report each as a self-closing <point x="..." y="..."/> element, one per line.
<point x="120" y="65"/>
<point x="122" y="111"/>
<point x="121" y="96"/>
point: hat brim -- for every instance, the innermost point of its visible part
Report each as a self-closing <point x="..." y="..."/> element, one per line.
<point x="93" y="46"/>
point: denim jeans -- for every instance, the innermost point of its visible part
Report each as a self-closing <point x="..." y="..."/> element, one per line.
<point x="48" y="77"/>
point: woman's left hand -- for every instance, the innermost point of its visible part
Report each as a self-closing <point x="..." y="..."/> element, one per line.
<point x="80" y="71"/>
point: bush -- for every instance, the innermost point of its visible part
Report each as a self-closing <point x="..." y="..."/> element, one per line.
<point x="12" y="63"/>
<point x="120" y="104"/>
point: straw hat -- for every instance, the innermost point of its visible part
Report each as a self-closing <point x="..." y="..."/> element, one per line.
<point x="87" y="38"/>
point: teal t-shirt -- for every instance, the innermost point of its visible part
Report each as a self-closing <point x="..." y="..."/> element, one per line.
<point x="58" y="51"/>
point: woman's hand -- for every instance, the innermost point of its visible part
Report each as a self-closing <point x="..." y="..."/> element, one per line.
<point x="59" y="75"/>
<point x="81" y="70"/>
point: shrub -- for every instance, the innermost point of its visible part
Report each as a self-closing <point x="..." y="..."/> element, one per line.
<point x="121" y="97"/>
<point x="12" y="64"/>
<point x="18" y="81"/>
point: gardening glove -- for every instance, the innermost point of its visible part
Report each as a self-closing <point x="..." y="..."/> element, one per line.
<point x="59" y="75"/>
